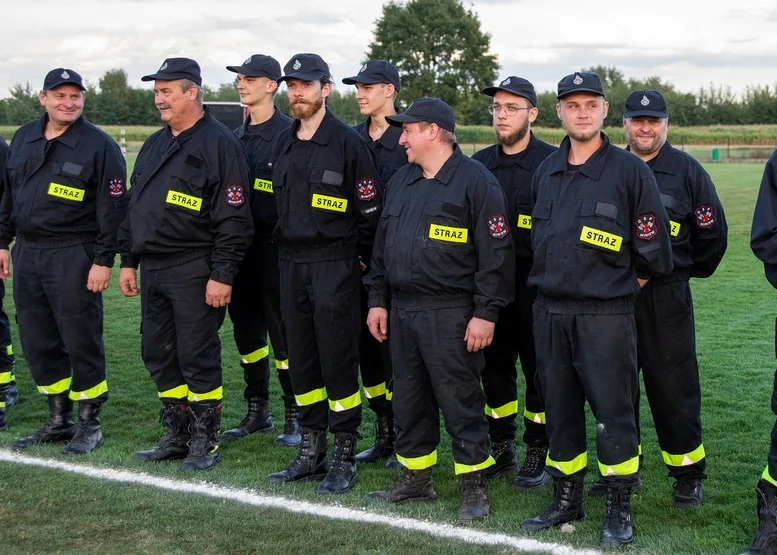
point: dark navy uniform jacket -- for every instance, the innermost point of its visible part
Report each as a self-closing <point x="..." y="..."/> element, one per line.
<point x="697" y="222"/>
<point x="389" y="154"/>
<point x="68" y="190"/>
<point x="444" y="239"/>
<point x="597" y="228"/>
<point x="327" y="191"/>
<point x="189" y="200"/>
<point x="4" y="150"/>
<point x="258" y="141"/>
<point x="763" y="234"/>
<point x="514" y="174"/>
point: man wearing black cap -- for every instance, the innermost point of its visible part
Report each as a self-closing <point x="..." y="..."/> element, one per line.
<point x="666" y="339"/>
<point x="444" y="262"/>
<point x="513" y="162"/>
<point x="188" y="225"/>
<point x="255" y="309"/>
<point x="328" y="195"/>
<point x="64" y="198"/>
<point x="377" y="84"/>
<point x="9" y="394"/>
<point x="599" y="231"/>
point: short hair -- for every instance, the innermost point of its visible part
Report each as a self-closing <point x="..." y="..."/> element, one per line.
<point x="187" y="84"/>
<point x="448" y="137"/>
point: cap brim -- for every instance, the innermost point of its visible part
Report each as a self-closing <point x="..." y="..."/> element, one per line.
<point x="398" y="119"/>
<point x="315" y="76"/>
<point x="592" y="91"/>
<point x="248" y="72"/>
<point x="165" y="77"/>
<point x="491" y="91"/>
<point x="66" y="82"/>
<point x="363" y="80"/>
<point x="645" y="114"/>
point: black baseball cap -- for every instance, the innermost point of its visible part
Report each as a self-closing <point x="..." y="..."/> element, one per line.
<point x="62" y="76"/>
<point x="514" y="85"/>
<point x="176" y="68"/>
<point x="376" y="71"/>
<point x="259" y="65"/>
<point x="305" y="66"/>
<point x="645" y="103"/>
<point x="580" y="82"/>
<point x="432" y="110"/>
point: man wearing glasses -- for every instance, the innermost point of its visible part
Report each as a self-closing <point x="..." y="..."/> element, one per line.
<point x="513" y="161"/>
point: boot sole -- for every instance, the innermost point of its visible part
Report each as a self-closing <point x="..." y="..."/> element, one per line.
<point x="576" y="519"/>
<point x="529" y="487"/>
<point x="612" y="542"/>
<point x="408" y="500"/>
<point x="66" y="452"/>
<point x="503" y="472"/>
<point x="28" y="445"/>
<point x="310" y="478"/>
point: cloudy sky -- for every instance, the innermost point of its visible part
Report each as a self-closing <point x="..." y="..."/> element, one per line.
<point x="690" y="43"/>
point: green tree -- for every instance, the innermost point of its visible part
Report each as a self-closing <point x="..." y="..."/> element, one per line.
<point x="439" y="50"/>
<point x="23" y="105"/>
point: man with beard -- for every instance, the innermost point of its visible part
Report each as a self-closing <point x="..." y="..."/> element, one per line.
<point x="599" y="232"/>
<point x="377" y="84"/>
<point x="327" y="191"/>
<point x="666" y="339"/>
<point x="513" y="162"/>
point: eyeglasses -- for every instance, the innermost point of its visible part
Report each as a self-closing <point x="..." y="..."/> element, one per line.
<point x="510" y="109"/>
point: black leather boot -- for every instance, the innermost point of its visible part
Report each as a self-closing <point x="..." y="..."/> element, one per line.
<point x="310" y="462"/>
<point x="415" y="485"/>
<point x="474" y="496"/>
<point x="60" y="426"/>
<point x="617" y="526"/>
<point x="504" y="457"/>
<point x="12" y="395"/>
<point x="687" y="492"/>
<point x="384" y="441"/>
<point x="532" y="474"/>
<point x="174" y="444"/>
<point x="765" y="539"/>
<point x="3" y="406"/>
<point x="290" y="436"/>
<point x="257" y="419"/>
<point x="88" y="435"/>
<point x="204" y="424"/>
<point x="342" y="475"/>
<point x="567" y="505"/>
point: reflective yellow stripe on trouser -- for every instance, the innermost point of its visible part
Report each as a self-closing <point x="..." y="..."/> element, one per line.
<point x="56" y="388"/>
<point x="569" y="467"/>
<point x="467" y="468"/>
<point x="508" y="409"/>
<point x="631" y="466"/>
<point x="214" y="395"/>
<point x="536" y="417"/>
<point x="685" y="459"/>
<point x="311" y="397"/>
<point x="418" y="463"/>
<point x="768" y="477"/>
<point x="181" y="392"/>
<point x="5" y="377"/>
<point x="91" y="393"/>
<point x="282" y="364"/>
<point x="350" y="402"/>
<point x="389" y="395"/>
<point x="375" y="391"/>
<point x="256" y="356"/>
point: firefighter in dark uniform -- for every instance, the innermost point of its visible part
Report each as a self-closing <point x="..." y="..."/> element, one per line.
<point x="9" y="394"/>
<point x="188" y="227"/>
<point x="327" y="190"/>
<point x="63" y="201"/>
<point x="377" y="85"/>
<point x="763" y="242"/>
<point x="599" y="231"/>
<point x="666" y="339"/>
<point x="255" y="309"/>
<point x="513" y="161"/>
<point x="444" y="263"/>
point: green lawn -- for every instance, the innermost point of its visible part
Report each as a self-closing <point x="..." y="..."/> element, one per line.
<point x="54" y="512"/>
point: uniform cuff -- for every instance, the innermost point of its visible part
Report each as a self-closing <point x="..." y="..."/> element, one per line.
<point x="375" y="302"/>
<point x="129" y="261"/>
<point x="104" y="261"/>
<point x="486" y="314"/>
<point x="4" y="245"/>
<point x="222" y="277"/>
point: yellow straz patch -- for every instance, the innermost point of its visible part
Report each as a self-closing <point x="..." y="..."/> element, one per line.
<point x="186" y="201"/>
<point x="675" y="228"/>
<point x="334" y="204"/>
<point x="524" y="221"/>
<point x="263" y="185"/>
<point x="63" y="191"/>
<point x="601" y="238"/>
<point x="449" y="234"/>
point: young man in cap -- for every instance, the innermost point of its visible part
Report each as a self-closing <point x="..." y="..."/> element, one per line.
<point x="377" y="84"/>
<point x="9" y="395"/>
<point x="599" y="231"/>
<point x="328" y="194"/>
<point x="63" y="200"/>
<point x="666" y="339"/>
<point x="255" y="309"/>
<point x="188" y="227"/>
<point x="443" y="261"/>
<point x="513" y="161"/>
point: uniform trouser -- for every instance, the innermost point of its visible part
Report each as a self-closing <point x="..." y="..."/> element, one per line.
<point x="60" y="320"/>
<point x="433" y="371"/>
<point x="320" y="307"/>
<point x="666" y="353"/>
<point x="770" y="472"/>
<point x="593" y="357"/>
<point x="180" y="345"/>
<point x="6" y="349"/>
<point x="375" y="366"/>
<point x="255" y="311"/>
<point x="513" y="338"/>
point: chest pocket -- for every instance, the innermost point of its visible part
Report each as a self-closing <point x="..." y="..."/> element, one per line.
<point x="677" y="210"/>
<point x="447" y="227"/>
<point x="601" y="227"/>
<point x="70" y="183"/>
<point x="523" y="209"/>
<point x="186" y="190"/>
<point x="262" y="175"/>
<point x="390" y="219"/>
<point x="329" y="202"/>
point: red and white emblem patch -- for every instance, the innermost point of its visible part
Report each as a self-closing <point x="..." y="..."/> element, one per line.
<point x="497" y="226"/>
<point x="116" y="187"/>
<point x="235" y="195"/>
<point x="705" y="216"/>
<point x="365" y="189"/>
<point x="646" y="226"/>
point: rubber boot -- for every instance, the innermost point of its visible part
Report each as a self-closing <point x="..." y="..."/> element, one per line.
<point x="257" y="419"/>
<point x="342" y="475"/>
<point x="175" y="443"/>
<point x="88" y="435"/>
<point x="60" y="426"/>
<point x="310" y="462"/>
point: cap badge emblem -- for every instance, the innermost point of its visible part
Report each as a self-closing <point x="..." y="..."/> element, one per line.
<point x="296" y="65"/>
<point x="65" y="75"/>
<point x="163" y="67"/>
<point x="644" y="100"/>
<point x="577" y="80"/>
<point x="506" y="82"/>
<point x="248" y="61"/>
<point x="363" y="69"/>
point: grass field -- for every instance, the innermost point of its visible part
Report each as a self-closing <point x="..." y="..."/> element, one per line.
<point x="47" y="511"/>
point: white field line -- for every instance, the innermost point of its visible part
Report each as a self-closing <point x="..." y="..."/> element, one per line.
<point x="250" y="497"/>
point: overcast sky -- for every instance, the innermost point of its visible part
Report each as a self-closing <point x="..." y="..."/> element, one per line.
<point x="689" y="43"/>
